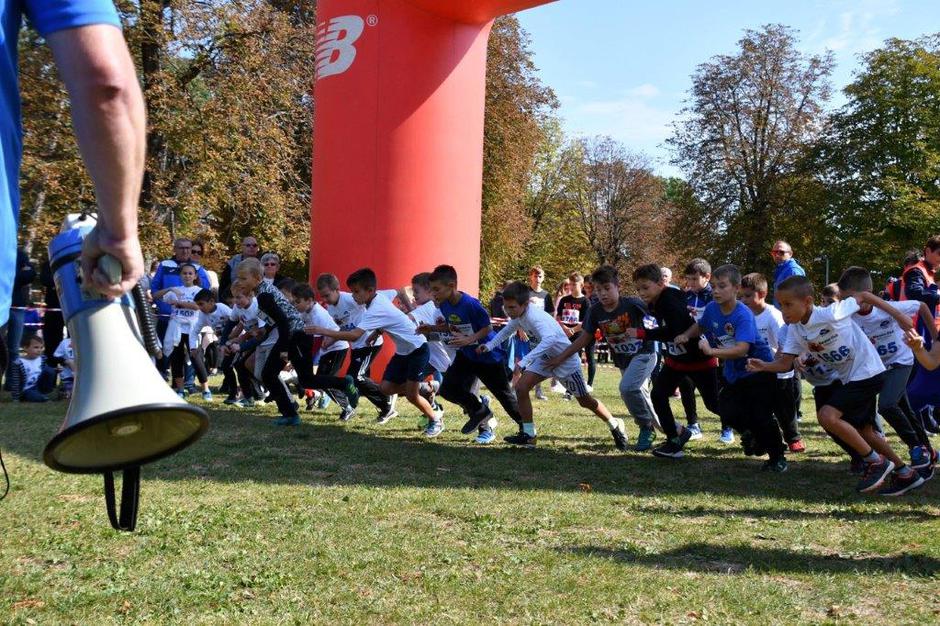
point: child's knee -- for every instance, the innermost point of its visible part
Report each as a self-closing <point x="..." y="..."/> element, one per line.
<point x="588" y="402"/>
<point x="828" y="415"/>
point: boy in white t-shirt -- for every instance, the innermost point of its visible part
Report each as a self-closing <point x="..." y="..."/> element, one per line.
<point x="770" y="324"/>
<point x="549" y="342"/>
<point x="66" y="356"/>
<point x="182" y="335"/>
<point x="346" y="312"/>
<point x="831" y="336"/>
<point x="240" y="345"/>
<point x="886" y="335"/>
<point x="410" y="365"/>
<point x="332" y="351"/>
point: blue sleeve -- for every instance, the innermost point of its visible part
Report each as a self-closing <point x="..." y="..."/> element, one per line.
<point x="745" y="327"/>
<point x="49" y="16"/>
<point x="204" y="278"/>
<point x="156" y="283"/>
<point x="479" y="318"/>
<point x="705" y="322"/>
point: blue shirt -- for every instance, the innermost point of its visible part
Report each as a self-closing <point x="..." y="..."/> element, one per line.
<point x="469" y="316"/>
<point x="46" y="16"/>
<point x="724" y="331"/>
<point x="784" y="271"/>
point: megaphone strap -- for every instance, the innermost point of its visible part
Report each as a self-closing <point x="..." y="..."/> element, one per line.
<point x="130" y="495"/>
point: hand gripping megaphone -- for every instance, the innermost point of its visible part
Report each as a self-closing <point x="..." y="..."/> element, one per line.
<point x="122" y="413"/>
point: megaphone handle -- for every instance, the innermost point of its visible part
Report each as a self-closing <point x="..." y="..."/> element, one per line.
<point x="130" y="495"/>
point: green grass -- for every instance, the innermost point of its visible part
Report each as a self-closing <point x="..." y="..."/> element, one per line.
<point x="361" y="523"/>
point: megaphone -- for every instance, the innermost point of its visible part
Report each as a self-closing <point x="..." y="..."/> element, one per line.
<point x="122" y="413"/>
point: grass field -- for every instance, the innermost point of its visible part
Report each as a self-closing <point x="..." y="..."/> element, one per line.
<point x="359" y="523"/>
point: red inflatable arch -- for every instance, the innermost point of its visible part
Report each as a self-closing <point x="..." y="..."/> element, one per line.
<point x="398" y="136"/>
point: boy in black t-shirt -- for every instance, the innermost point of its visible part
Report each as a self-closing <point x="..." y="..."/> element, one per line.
<point x="613" y="315"/>
<point x="668" y="307"/>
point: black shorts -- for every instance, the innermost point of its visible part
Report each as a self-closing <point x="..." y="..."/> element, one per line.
<point x="408" y="367"/>
<point x="856" y="400"/>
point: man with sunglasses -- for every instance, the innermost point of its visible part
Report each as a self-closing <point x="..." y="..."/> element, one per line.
<point x="250" y="250"/>
<point x="786" y="265"/>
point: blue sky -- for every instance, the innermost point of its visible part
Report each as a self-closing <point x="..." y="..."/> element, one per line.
<point x="623" y="67"/>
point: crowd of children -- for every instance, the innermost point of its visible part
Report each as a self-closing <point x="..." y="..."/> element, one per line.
<point x="719" y="336"/>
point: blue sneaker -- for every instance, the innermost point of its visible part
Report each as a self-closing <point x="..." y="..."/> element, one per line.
<point x="485" y="436"/>
<point x="695" y="432"/>
<point x="435" y="428"/>
<point x="181" y="393"/>
<point x="287" y="421"/>
<point x="324" y="401"/>
<point x="644" y="440"/>
<point x="207" y="395"/>
<point x="920" y="457"/>
<point x="726" y="436"/>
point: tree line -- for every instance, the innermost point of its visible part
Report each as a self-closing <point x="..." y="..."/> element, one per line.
<point x="762" y="153"/>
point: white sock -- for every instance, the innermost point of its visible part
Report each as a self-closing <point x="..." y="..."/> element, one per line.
<point x="529" y="428"/>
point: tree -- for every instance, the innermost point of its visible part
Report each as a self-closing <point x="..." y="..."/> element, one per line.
<point x="750" y="120"/>
<point x="618" y="201"/>
<point x="880" y="160"/>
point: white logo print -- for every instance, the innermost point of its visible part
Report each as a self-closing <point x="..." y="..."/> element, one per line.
<point x="335" y="49"/>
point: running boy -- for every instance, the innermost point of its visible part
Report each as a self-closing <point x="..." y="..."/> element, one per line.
<point x="698" y="293"/>
<point x="830" y="335"/>
<point x="882" y="329"/>
<point x="770" y="325"/>
<point x="730" y="326"/>
<point x="613" y="315"/>
<point x="465" y="324"/>
<point x="550" y="341"/>
<point x="409" y="366"/>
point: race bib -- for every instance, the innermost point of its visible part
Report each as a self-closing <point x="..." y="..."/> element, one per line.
<point x="674" y="349"/>
<point x="570" y="316"/>
<point x="626" y="346"/>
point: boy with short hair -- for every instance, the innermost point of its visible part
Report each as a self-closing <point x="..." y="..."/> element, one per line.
<point x="612" y="315"/>
<point x="770" y="326"/>
<point x="572" y="310"/>
<point x="698" y="293"/>
<point x="830" y="335"/>
<point x="668" y="309"/>
<point x="332" y="351"/>
<point x="293" y="344"/>
<point x="728" y="331"/>
<point x="409" y="366"/>
<point x="346" y="312"/>
<point x="239" y="345"/>
<point x="464" y="325"/>
<point x="539" y="364"/>
<point x="886" y="335"/>
<point x="30" y="378"/>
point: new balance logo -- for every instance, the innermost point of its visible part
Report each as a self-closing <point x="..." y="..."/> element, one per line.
<point x="335" y="49"/>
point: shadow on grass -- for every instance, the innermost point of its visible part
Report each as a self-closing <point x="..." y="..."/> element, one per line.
<point x="699" y="557"/>
<point x="241" y="447"/>
<point x="912" y="514"/>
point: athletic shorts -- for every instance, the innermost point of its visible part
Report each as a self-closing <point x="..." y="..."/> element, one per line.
<point x="573" y="381"/>
<point x="857" y="400"/>
<point x="413" y="366"/>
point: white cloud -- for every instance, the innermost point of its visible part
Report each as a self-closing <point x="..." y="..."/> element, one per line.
<point x="646" y="90"/>
<point x="630" y="119"/>
<point x="855" y="29"/>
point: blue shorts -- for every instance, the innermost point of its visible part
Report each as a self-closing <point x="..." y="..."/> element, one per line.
<point x="408" y="367"/>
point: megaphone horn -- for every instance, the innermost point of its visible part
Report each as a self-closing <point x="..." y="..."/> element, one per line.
<point x="122" y="414"/>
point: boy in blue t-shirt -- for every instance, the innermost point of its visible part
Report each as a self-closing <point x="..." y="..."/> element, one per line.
<point x="466" y="325"/>
<point x="728" y="331"/>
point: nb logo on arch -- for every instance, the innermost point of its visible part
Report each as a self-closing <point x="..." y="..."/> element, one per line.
<point x="335" y="49"/>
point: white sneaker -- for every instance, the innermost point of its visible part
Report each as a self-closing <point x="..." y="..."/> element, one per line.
<point x="589" y="388"/>
<point x="384" y="417"/>
<point x="439" y="415"/>
<point x="558" y="387"/>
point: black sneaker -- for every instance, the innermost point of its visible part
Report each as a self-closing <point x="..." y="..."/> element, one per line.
<point x="900" y="485"/>
<point x="311" y="403"/>
<point x="482" y="415"/>
<point x="747" y="442"/>
<point x="874" y="475"/>
<point x="775" y="465"/>
<point x="619" y="433"/>
<point x="672" y="449"/>
<point x="926" y="472"/>
<point x="347" y="414"/>
<point x="521" y="439"/>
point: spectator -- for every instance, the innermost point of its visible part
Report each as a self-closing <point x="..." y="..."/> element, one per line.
<point x="168" y="275"/>
<point x="25" y="275"/>
<point x="198" y="252"/>
<point x="249" y="251"/>
<point x="667" y="278"/>
<point x="496" y="304"/>
<point x="270" y="266"/>
<point x="53" y="323"/>
<point x="787" y="266"/>
<point x="919" y="282"/>
<point x="536" y="278"/>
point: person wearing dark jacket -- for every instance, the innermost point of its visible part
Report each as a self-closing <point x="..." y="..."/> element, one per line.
<point x="25" y="275"/>
<point x="53" y="324"/>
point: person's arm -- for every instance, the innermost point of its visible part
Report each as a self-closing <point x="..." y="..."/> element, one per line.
<point x="110" y="126"/>
<point x="203" y="277"/>
<point x="740" y="349"/>
<point x="929" y="360"/>
<point x="929" y="321"/>
<point x="341" y="335"/>
<point x="783" y="362"/>
<point x="478" y="317"/>
<point x="500" y="337"/>
<point x="903" y="320"/>
<point x="693" y="332"/>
